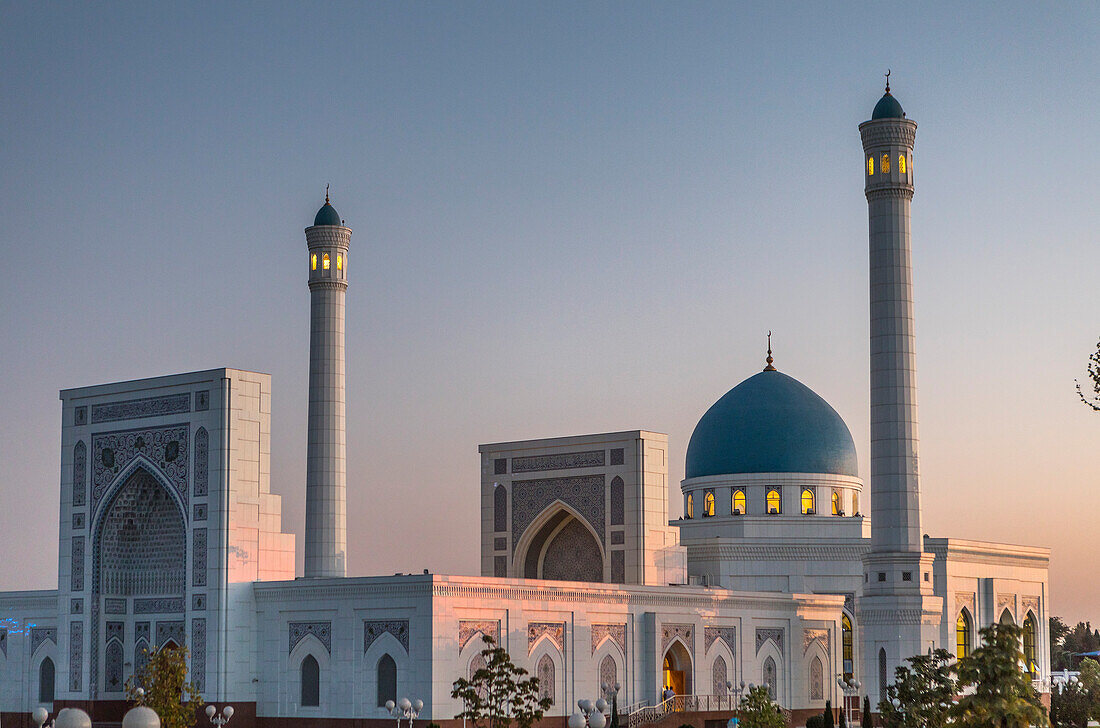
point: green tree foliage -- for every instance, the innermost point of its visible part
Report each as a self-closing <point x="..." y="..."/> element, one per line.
<point x="758" y="711"/>
<point x="865" y="719"/>
<point x="815" y="721"/>
<point x="1090" y="683"/>
<point x="827" y="716"/>
<point x="166" y="689"/>
<point x="996" y="690"/>
<point x="924" y="689"/>
<point x="842" y="722"/>
<point x="1059" y="659"/>
<point x="498" y="695"/>
<point x="1070" y="707"/>
<point x="1092" y="400"/>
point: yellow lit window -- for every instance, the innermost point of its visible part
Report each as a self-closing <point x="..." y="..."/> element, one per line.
<point x="773" y="501"/>
<point x="855" y="503"/>
<point x="1030" y="633"/>
<point x="846" y="646"/>
<point x="807" y="501"/>
<point x="708" y="504"/>
<point x="870" y="166"/>
<point x="324" y="261"/>
<point x="339" y="262"/>
<point x="690" y="510"/>
<point x="739" y="502"/>
<point x="886" y="164"/>
<point x="962" y="635"/>
<point x="901" y="163"/>
<point x="836" y="503"/>
<point x="313" y="262"/>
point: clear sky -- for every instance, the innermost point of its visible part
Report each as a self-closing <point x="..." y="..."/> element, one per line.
<point x="568" y="218"/>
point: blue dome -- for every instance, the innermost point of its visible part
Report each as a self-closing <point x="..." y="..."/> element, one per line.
<point x="887" y="108"/>
<point x="771" y="423"/>
<point x="327" y="215"/>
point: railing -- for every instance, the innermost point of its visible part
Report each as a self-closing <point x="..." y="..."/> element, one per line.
<point x="678" y="704"/>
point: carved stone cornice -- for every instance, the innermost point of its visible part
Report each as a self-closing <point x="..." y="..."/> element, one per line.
<point x="331" y="285"/>
<point x="897" y="616"/>
<point x="890" y="193"/>
<point x="886" y="132"/>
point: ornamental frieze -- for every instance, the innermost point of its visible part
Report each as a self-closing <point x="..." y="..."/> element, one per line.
<point x="617" y="632"/>
<point x="810" y="637"/>
<point x="775" y="634"/>
<point x="554" y="631"/>
<point x="468" y="628"/>
<point x="584" y="494"/>
<point x="726" y="634"/>
<point x="298" y="631"/>
<point x="165" y="447"/>
<point x="685" y="632"/>
<point x="134" y="409"/>
<point x="375" y="628"/>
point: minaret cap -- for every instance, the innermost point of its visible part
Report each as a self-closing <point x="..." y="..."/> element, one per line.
<point x="769" y="360"/>
<point x="887" y="107"/>
<point x="327" y="215"/>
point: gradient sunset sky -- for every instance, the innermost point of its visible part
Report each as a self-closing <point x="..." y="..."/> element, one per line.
<point x="569" y="218"/>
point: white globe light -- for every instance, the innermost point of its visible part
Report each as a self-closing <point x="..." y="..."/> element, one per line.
<point x="603" y="687"/>
<point x="210" y="710"/>
<point x="618" y="687"/>
<point x="597" y="720"/>
<point x="601" y="705"/>
<point x="390" y="705"/>
<point x="418" y="705"/>
<point x="139" y="717"/>
<point x="405" y="703"/>
<point x="227" y="711"/>
<point x="39" y="715"/>
<point x="857" y="684"/>
<point x="576" y="721"/>
<point x="77" y="718"/>
<point x="586" y="706"/>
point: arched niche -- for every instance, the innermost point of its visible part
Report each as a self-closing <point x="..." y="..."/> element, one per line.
<point x="560" y="544"/>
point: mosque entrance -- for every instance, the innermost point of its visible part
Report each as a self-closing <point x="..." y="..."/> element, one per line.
<point x="677" y="670"/>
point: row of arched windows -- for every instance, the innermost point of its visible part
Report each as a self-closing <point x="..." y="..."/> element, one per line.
<point x="964" y="635"/>
<point x="310" y="672"/>
<point x="326" y="261"/>
<point x="772" y="501"/>
<point x="884" y="164"/>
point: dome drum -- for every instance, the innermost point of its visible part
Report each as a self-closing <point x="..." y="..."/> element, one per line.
<point x="754" y="495"/>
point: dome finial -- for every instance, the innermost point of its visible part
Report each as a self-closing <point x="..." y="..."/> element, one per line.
<point x="887" y="80"/>
<point x="769" y="368"/>
<point x="326" y="183"/>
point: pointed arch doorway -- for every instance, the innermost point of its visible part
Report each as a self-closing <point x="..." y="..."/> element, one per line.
<point x="676" y="670"/>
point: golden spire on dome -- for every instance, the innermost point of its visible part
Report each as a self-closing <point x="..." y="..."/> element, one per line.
<point x="770" y="368"/>
<point x="326" y="184"/>
<point x="887" y="80"/>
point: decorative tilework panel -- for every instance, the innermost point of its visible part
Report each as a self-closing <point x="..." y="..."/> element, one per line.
<point x="76" y="580"/>
<point x="500" y="544"/>
<point x="165" y="447"/>
<point x="76" y="655"/>
<point x="545" y="672"/>
<point x="198" y="602"/>
<point x="500" y="508"/>
<point x="817" y="679"/>
<point x="40" y="635"/>
<point x="173" y="630"/>
<point x="617" y="632"/>
<point x="198" y="653"/>
<point x="618" y="567"/>
<point x="117" y="631"/>
<point x="134" y="409"/>
<point x="811" y="637"/>
<point x="202" y="400"/>
<point x="585" y="494"/>
<point x="199" y="512"/>
<point x="114" y="606"/>
<point x="76" y="606"/>
<point x="618" y="501"/>
<point x="555" y="631"/>
<point x="609" y="672"/>
<point x="1029" y="604"/>
<point x="500" y="466"/>
<point x="321" y="630"/>
<point x="719" y="677"/>
<point x="726" y="634"/>
<point x="141" y="655"/>
<point x="80" y="474"/>
<point x="563" y="461"/>
<point x="202" y="462"/>
<point x="198" y="557"/>
<point x="617" y="456"/>
<point x="159" y="605"/>
<point x="763" y="634"/>
<point x="468" y="628"/>
<point x="500" y="567"/>
<point x="965" y="599"/>
<point x="78" y="521"/>
<point x="141" y="631"/>
<point x="80" y="416"/>
<point x="686" y="632"/>
<point x="573" y="555"/>
<point x="375" y="628"/>
<point x="112" y="667"/>
<point x="618" y="538"/>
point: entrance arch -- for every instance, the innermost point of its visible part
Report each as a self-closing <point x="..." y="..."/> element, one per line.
<point x="561" y="545"/>
<point x="676" y="669"/>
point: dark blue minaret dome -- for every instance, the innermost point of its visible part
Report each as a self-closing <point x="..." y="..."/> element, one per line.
<point x="887" y="107"/>
<point x="327" y="215"/>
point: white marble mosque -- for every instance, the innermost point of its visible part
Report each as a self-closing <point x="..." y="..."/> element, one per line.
<point x="774" y="575"/>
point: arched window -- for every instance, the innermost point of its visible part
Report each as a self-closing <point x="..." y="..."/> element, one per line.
<point x="478" y="663"/>
<point x="45" y="681"/>
<point x="690" y="513"/>
<point x="618" y="501"/>
<point x="339" y="262"/>
<point x="609" y="671"/>
<point x="886" y="164"/>
<point x="962" y="634"/>
<point x="882" y="672"/>
<point x="1006" y="618"/>
<point x="846" y="648"/>
<point x="1030" y="634"/>
<point x="817" y="679"/>
<point x="545" y="673"/>
<point x="311" y="683"/>
<point x="901" y="163"/>
<point x="500" y="508"/>
<point x="739" y="502"/>
<point x="324" y="261"/>
<point x="708" y="503"/>
<point x="807" y="501"/>
<point x="870" y="166"/>
<point x="774" y="502"/>
<point x="313" y="262"/>
<point x="768" y="676"/>
<point x="855" y="503"/>
<point x="718" y="677"/>
<point x="387" y="680"/>
<point x="836" y="503"/>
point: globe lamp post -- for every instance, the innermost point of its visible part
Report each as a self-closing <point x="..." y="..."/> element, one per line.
<point x="219" y="719"/>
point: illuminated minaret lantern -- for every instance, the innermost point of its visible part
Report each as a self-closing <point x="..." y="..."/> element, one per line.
<point x="328" y="240"/>
<point x="897" y="609"/>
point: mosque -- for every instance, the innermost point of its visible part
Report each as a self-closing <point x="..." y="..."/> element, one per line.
<point x="169" y="534"/>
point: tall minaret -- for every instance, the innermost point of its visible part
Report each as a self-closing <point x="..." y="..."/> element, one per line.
<point x="897" y="609"/>
<point x="326" y="466"/>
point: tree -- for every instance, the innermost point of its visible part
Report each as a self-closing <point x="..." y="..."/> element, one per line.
<point x="1069" y="708"/>
<point x="1094" y="374"/>
<point x="924" y="689"/>
<point x="1058" y="632"/>
<point x="1090" y="683"/>
<point x="758" y="711"/>
<point x="497" y="695"/>
<point x="865" y="719"/>
<point x="828" y="715"/>
<point x="166" y="689"/>
<point x="843" y="722"/>
<point x="1002" y="695"/>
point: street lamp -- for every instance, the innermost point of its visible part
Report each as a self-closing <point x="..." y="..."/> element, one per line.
<point x="405" y="709"/>
<point x="140" y="717"/>
<point x="850" y="687"/>
<point x="65" y="718"/>
<point x="591" y="714"/>
<point x="611" y="692"/>
<point x="217" y="719"/>
<point x="737" y="690"/>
